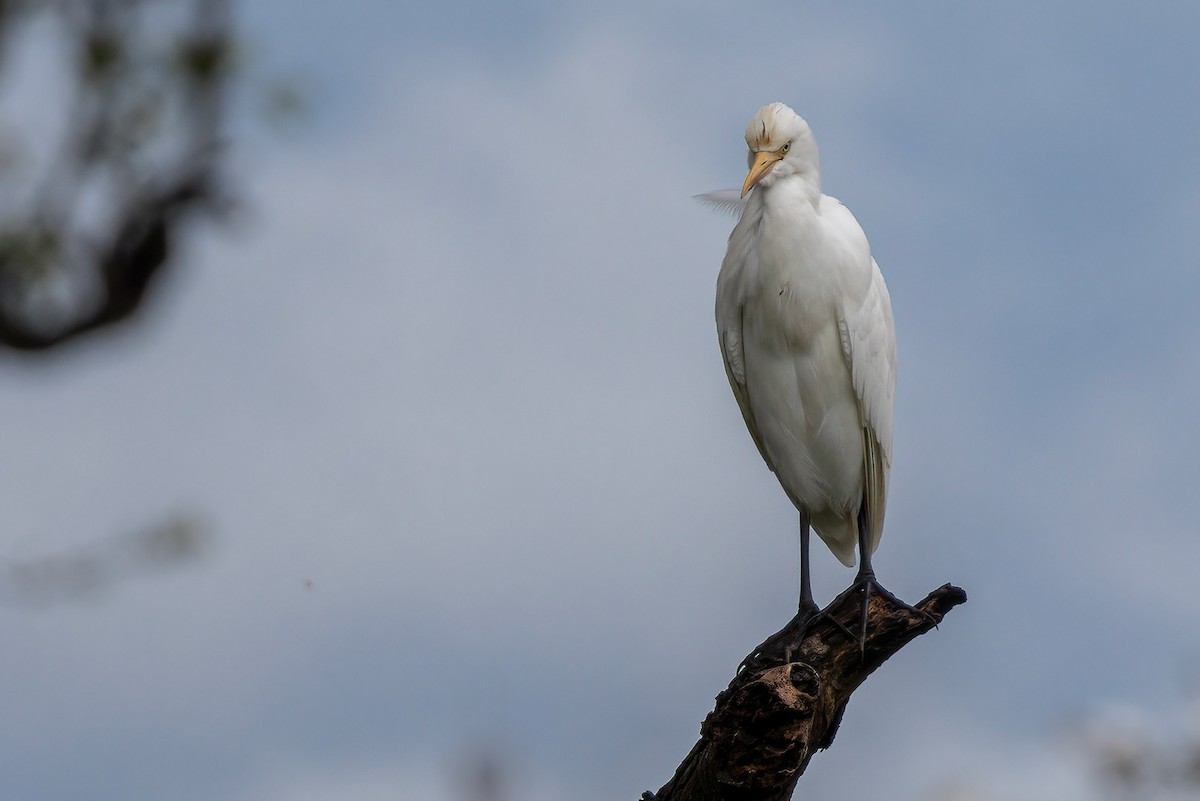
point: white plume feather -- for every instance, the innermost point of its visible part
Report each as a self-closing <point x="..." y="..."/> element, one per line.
<point x="729" y="201"/>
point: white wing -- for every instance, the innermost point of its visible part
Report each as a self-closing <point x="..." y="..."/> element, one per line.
<point x="869" y="344"/>
<point x="738" y="259"/>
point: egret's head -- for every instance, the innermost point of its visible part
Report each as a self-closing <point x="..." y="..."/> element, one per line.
<point x="781" y="144"/>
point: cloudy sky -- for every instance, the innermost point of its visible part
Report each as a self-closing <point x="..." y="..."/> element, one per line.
<point x="449" y="403"/>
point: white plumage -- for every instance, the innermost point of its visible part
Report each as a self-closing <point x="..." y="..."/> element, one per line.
<point x="805" y="328"/>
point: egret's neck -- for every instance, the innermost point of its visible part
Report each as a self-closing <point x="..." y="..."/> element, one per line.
<point x="803" y="186"/>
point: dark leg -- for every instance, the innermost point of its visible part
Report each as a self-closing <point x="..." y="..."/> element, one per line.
<point x="866" y="573"/>
<point x="807" y="604"/>
<point x="865" y="581"/>
<point x="807" y="614"/>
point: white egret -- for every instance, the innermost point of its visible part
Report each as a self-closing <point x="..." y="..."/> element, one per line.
<point x="805" y="328"/>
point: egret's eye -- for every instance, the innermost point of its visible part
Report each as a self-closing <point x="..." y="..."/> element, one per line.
<point x="786" y="147"/>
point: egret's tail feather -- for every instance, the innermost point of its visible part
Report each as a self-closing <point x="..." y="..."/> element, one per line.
<point x="840" y="536"/>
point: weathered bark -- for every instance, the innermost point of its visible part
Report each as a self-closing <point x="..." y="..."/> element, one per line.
<point x="787" y="703"/>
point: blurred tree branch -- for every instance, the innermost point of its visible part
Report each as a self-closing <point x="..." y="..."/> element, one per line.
<point x="788" y="702"/>
<point x="84" y="571"/>
<point x="139" y="154"/>
<point x="111" y="144"/>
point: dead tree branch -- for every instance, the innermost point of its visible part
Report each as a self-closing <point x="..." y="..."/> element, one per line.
<point x="785" y="707"/>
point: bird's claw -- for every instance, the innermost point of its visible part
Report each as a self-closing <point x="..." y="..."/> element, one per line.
<point x="790" y="636"/>
<point x="869" y="586"/>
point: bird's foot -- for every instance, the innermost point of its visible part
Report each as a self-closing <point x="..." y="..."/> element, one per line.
<point x="868" y="586"/>
<point x="780" y="646"/>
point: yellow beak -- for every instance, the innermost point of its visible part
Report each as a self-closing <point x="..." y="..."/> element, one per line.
<point x="763" y="162"/>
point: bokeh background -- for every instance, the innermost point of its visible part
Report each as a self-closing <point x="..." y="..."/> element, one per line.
<point x="446" y="398"/>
